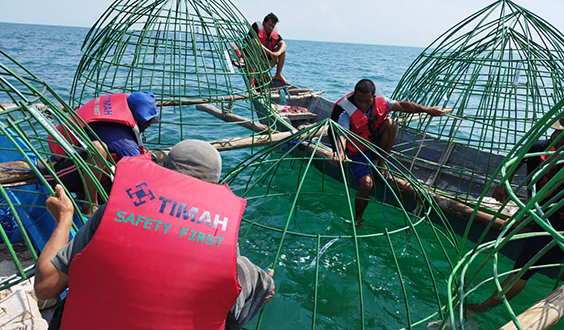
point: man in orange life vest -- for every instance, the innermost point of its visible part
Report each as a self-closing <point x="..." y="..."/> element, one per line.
<point x="532" y="245"/>
<point x="162" y="254"/>
<point x="272" y="43"/>
<point x="117" y="120"/>
<point x="365" y="112"/>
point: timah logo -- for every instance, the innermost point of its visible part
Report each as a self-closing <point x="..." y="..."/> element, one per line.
<point x="141" y="195"/>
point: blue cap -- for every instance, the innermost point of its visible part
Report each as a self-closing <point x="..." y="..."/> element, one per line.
<point x="143" y="107"/>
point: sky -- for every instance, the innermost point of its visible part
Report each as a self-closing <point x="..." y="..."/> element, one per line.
<point x="384" y="22"/>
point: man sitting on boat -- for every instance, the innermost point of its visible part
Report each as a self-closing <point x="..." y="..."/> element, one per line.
<point x="534" y="244"/>
<point x="118" y="121"/>
<point x="161" y="254"/>
<point x="365" y="112"/>
<point x="272" y="43"/>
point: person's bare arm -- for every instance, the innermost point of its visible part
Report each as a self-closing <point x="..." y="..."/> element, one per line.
<point x="340" y="155"/>
<point x="410" y="107"/>
<point x="280" y="48"/>
<point x="500" y="193"/>
<point x="50" y="281"/>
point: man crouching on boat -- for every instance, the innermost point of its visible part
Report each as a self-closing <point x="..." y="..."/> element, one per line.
<point x="534" y="244"/>
<point x="161" y="254"/>
<point x="365" y="112"/>
<point x="272" y="43"/>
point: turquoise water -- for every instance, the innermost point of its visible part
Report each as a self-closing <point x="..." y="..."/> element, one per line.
<point x="52" y="53"/>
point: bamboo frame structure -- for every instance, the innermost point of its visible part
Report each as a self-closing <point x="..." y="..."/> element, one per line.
<point x="543" y="208"/>
<point x="500" y="70"/>
<point x="298" y="221"/>
<point x="24" y="130"/>
<point x="186" y="53"/>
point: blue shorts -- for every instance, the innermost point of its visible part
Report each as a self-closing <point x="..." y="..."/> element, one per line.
<point x="360" y="165"/>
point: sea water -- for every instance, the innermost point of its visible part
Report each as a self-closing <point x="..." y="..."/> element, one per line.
<point x="53" y="53"/>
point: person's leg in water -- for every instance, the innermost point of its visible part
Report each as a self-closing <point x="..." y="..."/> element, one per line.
<point x="360" y="168"/>
<point x="96" y="165"/>
<point x="492" y="301"/>
<point x="361" y="200"/>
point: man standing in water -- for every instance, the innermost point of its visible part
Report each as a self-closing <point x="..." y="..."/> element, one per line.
<point x="534" y="244"/>
<point x="272" y="43"/>
<point x="365" y="112"/>
<point x="160" y="253"/>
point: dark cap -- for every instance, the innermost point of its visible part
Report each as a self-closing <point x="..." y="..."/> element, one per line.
<point x="195" y="158"/>
<point x="143" y="107"/>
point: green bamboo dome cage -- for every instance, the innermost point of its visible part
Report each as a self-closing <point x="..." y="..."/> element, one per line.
<point x="328" y="273"/>
<point x="29" y="112"/>
<point x="499" y="70"/>
<point x="478" y="273"/>
<point x="187" y="53"/>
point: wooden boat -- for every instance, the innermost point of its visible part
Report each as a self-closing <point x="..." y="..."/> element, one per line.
<point x="301" y="107"/>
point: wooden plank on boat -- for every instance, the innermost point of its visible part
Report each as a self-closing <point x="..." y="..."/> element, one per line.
<point x="543" y="314"/>
<point x="293" y="90"/>
<point x="15" y="172"/>
<point x="233" y="143"/>
<point x="233" y="118"/>
<point x="18" y="173"/>
<point x="7" y="106"/>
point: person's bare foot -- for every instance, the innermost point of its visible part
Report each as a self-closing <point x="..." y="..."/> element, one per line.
<point x="282" y="79"/>
<point x="358" y="223"/>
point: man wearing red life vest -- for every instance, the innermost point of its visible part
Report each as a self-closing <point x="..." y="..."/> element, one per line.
<point x="117" y="120"/>
<point x="162" y="254"/>
<point x="365" y="112"/>
<point x="533" y="245"/>
<point x="272" y="43"/>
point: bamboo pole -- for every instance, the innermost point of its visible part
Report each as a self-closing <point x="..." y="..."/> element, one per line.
<point x="233" y="118"/>
<point x="189" y="102"/>
<point x="543" y="314"/>
<point x="293" y="90"/>
<point x="19" y="172"/>
<point x="233" y="143"/>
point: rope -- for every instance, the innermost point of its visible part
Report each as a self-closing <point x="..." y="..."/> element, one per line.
<point x="7" y="219"/>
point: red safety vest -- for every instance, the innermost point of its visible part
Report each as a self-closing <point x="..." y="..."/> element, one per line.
<point x="359" y="121"/>
<point x="163" y="256"/>
<point x="107" y="108"/>
<point x="547" y="176"/>
<point x="273" y="39"/>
